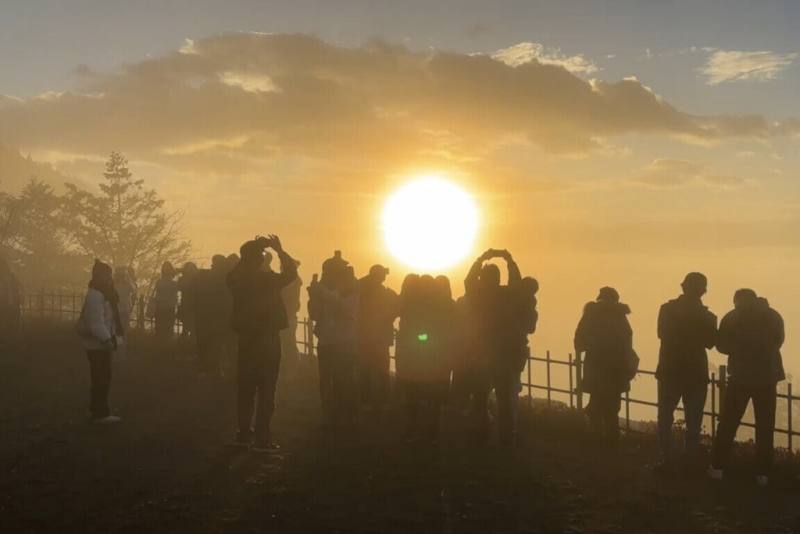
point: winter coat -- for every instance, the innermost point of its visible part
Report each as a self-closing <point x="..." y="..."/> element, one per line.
<point x="606" y="336"/>
<point x="96" y="323"/>
<point x="425" y="342"/>
<point x="686" y="329"/>
<point x="379" y="308"/>
<point x="752" y="338"/>
<point x="339" y="318"/>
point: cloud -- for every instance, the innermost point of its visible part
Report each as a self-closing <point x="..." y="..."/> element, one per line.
<point x="527" y="52"/>
<point x="738" y="65"/>
<point x="271" y="106"/>
<point x="669" y="173"/>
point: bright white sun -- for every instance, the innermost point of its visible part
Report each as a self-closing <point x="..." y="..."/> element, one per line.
<point x="430" y="223"/>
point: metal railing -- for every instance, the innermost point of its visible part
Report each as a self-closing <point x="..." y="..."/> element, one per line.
<point x="718" y="386"/>
<point x="68" y="307"/>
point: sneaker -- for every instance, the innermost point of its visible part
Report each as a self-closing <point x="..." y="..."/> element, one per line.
<point x="714" y="473"/>
<point x="762" y="481"/>
<point x="107" y="420"/>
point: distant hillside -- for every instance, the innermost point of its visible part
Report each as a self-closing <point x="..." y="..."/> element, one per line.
<point x="16" y="170"/>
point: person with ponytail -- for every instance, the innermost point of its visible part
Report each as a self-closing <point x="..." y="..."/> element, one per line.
<point x="101" y="330"/>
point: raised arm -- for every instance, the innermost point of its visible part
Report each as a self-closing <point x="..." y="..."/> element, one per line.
<point x="474" y="272"/>
<point x="514" y="276"/>
<point x="288" y="272"/>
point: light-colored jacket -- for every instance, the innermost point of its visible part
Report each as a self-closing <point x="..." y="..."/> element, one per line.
<point x="96" y="324"/>
<point x="338" y="324"/>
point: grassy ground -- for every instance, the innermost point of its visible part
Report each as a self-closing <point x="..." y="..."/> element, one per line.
<point x="168" y="468"/>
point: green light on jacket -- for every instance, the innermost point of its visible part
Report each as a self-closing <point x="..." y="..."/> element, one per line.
<point x="422" y="337"/>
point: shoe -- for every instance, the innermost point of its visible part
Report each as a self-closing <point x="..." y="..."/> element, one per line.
<point x="762" y="481"/>
<point x="714" y="473"/>
<point x="243" y="439"/>
<point x="107" y="420"/>
<point x="264" y="445"/>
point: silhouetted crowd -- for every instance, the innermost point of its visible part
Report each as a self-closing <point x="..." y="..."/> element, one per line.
<point x="446" y="350"/>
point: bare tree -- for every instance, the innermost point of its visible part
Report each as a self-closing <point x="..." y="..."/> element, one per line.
<point x="126" y="223"/>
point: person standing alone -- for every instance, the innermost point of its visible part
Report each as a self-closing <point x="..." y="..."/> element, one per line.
<point x="258" y="316"/>
<point x="100" y="329"/>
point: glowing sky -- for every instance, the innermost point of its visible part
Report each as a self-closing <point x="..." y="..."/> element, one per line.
<point x="620" y="143"/>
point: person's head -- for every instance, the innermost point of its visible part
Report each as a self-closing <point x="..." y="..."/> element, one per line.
<point x="409" y="286"/>
<point x="218" y="262"/>
<point x="530" y="286"/>
<point x="252" y="254"/>
<point x="443" y="290"/>
<point x="490" y="275"/>
<point x="744" y="298"/>
<point x="189" y="268"/>
<point x="231" y="261"/>
<point x="378" y="274"/>
<point x="608" y="294"/>
<point x="102" y="273"/>
<point x="167" y="270"/>
<point x="695" y="285"/>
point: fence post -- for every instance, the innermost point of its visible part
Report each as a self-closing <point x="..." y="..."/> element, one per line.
<point x="713" y="405"/>
<point x="789" y="414"/>
<point x="627" y="411"/>
<point x="41" y="302"/>
<point x="723" y="386"/>
<point x="140" y="313"/>
<point x="310" y="334"/>
<point x="548" y="379"/>
<point x="530" y="381"/>
<point x="578" y="380"/>
<point x="571" y="404"/>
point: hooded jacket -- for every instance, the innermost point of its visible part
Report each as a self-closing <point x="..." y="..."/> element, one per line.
<point x="686" y="329"/>
<point x="752" y="338"/>
<point x="605" y="334"/>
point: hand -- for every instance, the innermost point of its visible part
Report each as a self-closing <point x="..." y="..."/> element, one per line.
<point x="314" y="280"/>
<point x="275" y="243"/>
<point x="505" y="254"/>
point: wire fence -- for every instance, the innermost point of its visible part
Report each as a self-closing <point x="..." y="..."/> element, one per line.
<point x="60" y="306"/>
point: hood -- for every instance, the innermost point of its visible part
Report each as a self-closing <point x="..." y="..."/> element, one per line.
<point x="607" y="307"/>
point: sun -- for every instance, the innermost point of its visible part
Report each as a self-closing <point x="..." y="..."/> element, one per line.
<point x="430" y="223"/>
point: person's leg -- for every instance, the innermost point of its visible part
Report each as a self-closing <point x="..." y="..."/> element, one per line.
<point x="694" y="403"/>
<point x="366" y="374"/>
<point x="412" y="406"/>
<point x="270" y="364"/>
<point x="325" y="383"/>
<point x="100" y="373"/>
<point x="247" y="380"/>
<point x="505" y="392"/>
<point x="668" y="396"/>
<point x="764" y="403"/>
<point x="736" y="399"/>
<point x="611" y="406"/>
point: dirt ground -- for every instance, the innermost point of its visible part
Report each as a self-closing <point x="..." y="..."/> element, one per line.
<point x="168" y="467"/>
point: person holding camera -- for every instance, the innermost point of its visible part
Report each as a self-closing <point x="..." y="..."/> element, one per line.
<point x="258" y="316"/>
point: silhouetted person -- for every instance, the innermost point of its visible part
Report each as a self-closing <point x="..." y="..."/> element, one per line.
<point x="127" y="295"/>
<point x="423" y="350"/>
<point x="686" y="329"/>
<point x="212" y="311"/>
<point x="258" y="317"/>
<point x="378" y="310"/>
<point x="100" y="329"/>
<point x="10" y="303"/>
<point x="165" y="303"/>
<point x="502" y="337"/>
<point x="605" y="335"/>
<point x="186" y="308"/>
<point x="752" y="336"/>
<point x="337" y="334"/>
<point x="333" y="269"/>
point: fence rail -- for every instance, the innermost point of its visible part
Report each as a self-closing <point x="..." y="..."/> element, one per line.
<point x="68" y="307"/>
